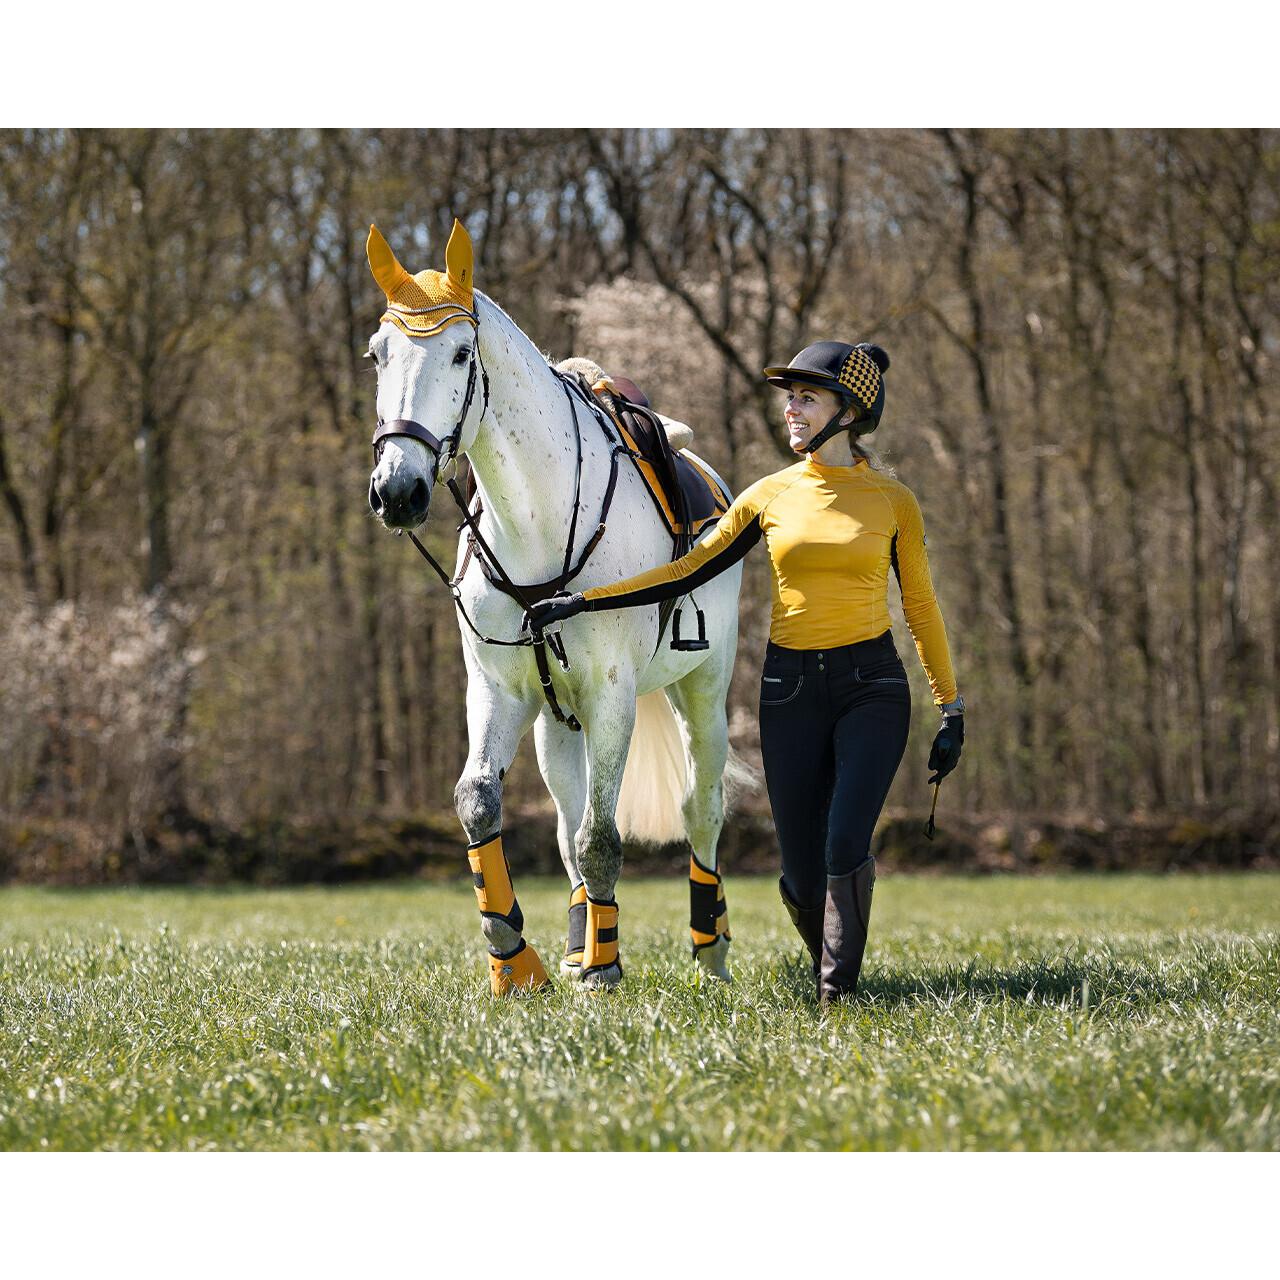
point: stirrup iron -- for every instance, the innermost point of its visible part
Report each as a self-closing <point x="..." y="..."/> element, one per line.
<point x="689" y="644"/>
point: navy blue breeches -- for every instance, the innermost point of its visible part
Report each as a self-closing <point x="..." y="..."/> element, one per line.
<point x="833" y="727"/>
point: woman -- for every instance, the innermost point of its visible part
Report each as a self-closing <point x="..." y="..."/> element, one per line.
<point x="834" y="701"/>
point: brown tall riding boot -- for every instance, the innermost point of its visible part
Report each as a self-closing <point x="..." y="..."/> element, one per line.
<point x="808" y="923"/>
<point x="844" y="931"/>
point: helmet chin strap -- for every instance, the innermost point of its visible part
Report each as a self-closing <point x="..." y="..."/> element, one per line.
<point x="832" y="428"/>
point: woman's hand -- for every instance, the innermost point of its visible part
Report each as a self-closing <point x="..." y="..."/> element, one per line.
<point x="945" y="754"/>
<point x="555" y="609"/>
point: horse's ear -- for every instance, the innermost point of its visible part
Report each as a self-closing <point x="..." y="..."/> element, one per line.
<point x="458" y="257"/>
<point x="387" y="271"/>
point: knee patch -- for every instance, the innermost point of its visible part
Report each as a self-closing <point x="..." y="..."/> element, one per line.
<point x="708" y="913"/>
<point x="492" y="879"/>
<point x="577" y="939"/>
<point x="518" y="970"/>
<point x="601" y="942"/>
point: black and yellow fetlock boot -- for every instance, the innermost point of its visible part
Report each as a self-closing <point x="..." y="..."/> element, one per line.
<point x="576" y="941"/>
<point x="519" y="968"/>
<point x="844" y="931"/>
<point x="808" y="923"/>
<point x="601" y="965"/>
<point x="708" y="919"/>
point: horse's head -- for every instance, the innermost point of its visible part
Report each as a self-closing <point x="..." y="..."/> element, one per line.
<point x="432" y="388"/>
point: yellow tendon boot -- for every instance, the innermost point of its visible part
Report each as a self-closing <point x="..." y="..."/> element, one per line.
<point x="519" y="971"/>
<point x="600" y="950"/>
<point x="708" y="914"/>
<point x="576" y="942"/>
<point x="492" y="879"/>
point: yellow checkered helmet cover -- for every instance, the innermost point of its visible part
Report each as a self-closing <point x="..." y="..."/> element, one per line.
<point x="859" y="375"/>
<point x="423" y="305"/>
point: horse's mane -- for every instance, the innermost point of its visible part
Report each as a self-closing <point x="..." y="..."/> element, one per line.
<point x="679" y="434"/>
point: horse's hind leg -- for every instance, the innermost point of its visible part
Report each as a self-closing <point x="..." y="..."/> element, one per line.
<point x="699" y="703"/>
<point x="495" y="724"/>
<point x="562" y="758"/>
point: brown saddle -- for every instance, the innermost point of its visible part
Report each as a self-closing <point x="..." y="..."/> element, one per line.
<point x="687" y="496"/>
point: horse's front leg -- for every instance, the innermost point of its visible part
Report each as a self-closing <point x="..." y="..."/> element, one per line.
<point x="598" y="845"/>
<point x="562" y="759"/>
<point x="496" y="722"/>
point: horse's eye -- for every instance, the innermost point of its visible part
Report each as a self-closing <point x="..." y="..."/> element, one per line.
<point x="462" y="355"/>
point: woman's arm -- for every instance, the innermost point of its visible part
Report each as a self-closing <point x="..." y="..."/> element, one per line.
<point x="737" y="531"/>
<point x="919" y="604"/>
<point x="729" y="541"/>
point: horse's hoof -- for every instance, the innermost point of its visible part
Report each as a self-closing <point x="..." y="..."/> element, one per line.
<point x="713" y="960"/>
<point x="571" y="969"/>
<point x="604" y="979"/>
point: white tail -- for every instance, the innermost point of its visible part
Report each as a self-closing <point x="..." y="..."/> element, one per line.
<point x="653" y="783"/>
<point x="657" y="774"/>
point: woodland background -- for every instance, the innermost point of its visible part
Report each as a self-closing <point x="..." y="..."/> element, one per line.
<point x="214" y="662"/>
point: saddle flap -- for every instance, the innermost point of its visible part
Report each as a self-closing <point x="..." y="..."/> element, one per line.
<point x="704" y="499"/>
<point x="686" y="495"/>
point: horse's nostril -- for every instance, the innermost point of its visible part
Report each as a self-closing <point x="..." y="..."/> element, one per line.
<point x="375" y="499"/>
<point x="418" y="497"/>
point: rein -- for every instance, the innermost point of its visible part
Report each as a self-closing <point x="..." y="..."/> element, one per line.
<point x="446" y="452"/>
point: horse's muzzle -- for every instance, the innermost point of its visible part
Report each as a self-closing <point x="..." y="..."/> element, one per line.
<point x="400" y="502"/>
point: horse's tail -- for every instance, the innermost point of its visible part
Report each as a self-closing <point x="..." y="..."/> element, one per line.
<point x="657" y="775"/>
<point x="657" y="772"/>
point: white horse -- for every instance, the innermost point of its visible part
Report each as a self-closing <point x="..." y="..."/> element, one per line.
<point x="457" y="376"/>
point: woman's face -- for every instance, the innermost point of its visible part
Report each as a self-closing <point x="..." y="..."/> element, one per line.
<point x="808" y="410"/>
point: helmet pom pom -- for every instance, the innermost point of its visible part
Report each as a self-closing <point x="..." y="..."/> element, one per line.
<point x="879" y="356"/>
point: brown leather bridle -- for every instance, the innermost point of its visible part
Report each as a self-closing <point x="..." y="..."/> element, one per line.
<point x="445" y="452"/>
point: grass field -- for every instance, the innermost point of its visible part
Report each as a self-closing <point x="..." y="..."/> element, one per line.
<point x="1055" y="1013"/>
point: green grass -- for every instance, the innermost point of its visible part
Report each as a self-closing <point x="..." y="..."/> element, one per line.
<point x="1125" y="1012"/>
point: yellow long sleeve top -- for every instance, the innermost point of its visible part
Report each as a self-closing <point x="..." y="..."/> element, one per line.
<point x="832" y="534"/>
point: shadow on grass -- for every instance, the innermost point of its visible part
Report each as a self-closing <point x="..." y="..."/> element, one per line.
<point x="1054" y="982"/>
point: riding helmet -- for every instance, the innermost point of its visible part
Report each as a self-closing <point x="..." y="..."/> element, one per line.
<point x="852" y="372"/>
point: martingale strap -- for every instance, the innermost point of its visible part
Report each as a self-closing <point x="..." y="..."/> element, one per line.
<point x="541" y="590"/>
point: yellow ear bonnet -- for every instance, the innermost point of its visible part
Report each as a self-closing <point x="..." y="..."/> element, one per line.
<point x="423" y="305"/>
<point x="387" y="271"/>
<point x="458" y="257"/>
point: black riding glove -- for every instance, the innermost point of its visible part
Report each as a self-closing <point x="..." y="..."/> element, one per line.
<point x="560" y="606"/>
<point x="945" y="753"/>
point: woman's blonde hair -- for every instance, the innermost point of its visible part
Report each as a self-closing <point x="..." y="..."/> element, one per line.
<point x="871" y="456"/>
